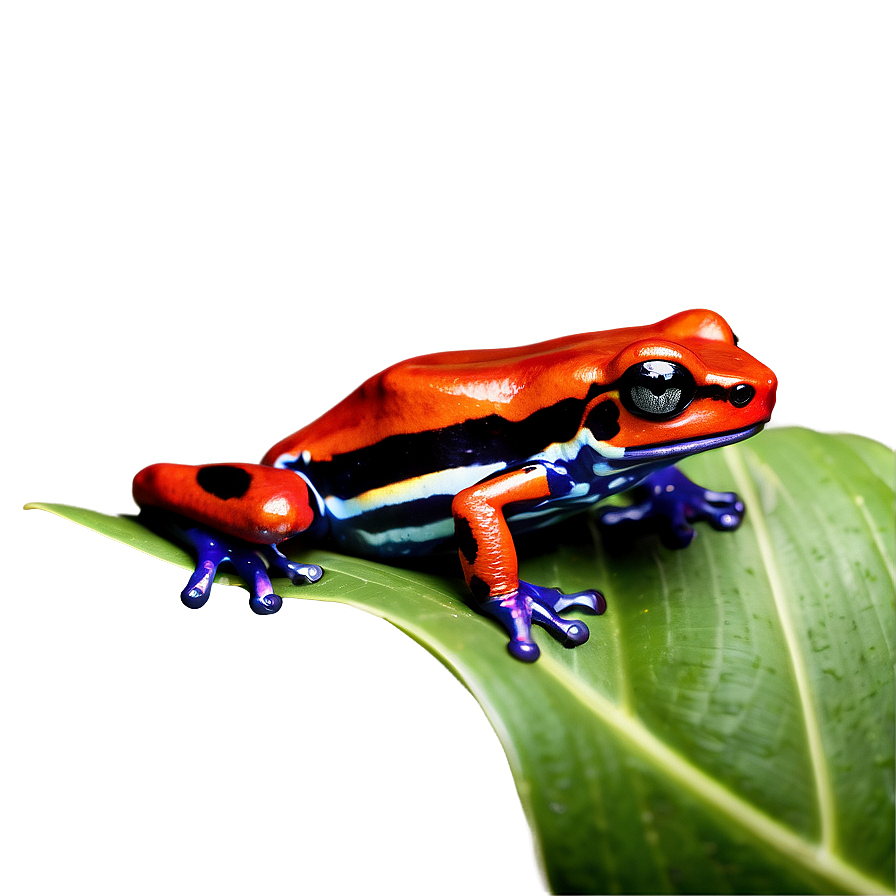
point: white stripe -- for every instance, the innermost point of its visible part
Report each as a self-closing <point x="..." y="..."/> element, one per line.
<point x="547" y="512"/>
<point x="437" y="531"/>
<point x="442" y="482"/>
<point x="313" y="490"/>
<point x="566" y="451"/>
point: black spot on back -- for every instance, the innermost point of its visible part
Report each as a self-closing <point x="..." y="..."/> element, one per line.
<point x="603" y="420"/>
<point x="224" y="481"/>
<point x="466" y="540"/>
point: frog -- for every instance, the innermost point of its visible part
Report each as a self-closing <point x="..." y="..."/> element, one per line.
<point x="467" y="452"/>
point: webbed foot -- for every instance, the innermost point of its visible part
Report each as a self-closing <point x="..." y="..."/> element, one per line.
<point x="535" y="604"/>
<point x="253" y="563"/>
<point x="670" y="503"/>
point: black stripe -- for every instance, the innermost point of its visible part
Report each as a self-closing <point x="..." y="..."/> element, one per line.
<point x="603" y="420"/>
<point x="714" y="391"/>
<point x="481" y="441"/>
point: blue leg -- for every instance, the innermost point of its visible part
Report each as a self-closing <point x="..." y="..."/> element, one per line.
<point x="533" y="604"/>
<point x="669" y="503"/>
<point x="252" y="563"/>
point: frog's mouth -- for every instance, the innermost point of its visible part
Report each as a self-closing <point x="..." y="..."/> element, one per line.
<point x="684" y="448"/>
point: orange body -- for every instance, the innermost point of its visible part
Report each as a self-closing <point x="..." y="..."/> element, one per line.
<point x="464" y="449"/>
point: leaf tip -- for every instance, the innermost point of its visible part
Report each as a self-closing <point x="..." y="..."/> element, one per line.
<point x="58" y="509"/>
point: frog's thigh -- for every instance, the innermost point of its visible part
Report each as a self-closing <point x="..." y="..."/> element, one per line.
<point x="254" y="502"/>
<point x="485" y="545"/>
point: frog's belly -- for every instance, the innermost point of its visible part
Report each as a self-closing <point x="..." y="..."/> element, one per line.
<point x="413" y="518"/>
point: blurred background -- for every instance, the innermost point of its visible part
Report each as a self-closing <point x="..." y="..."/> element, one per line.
<point x="217" y="219"/>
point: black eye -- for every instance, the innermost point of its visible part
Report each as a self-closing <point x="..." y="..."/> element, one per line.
<point x="659" y="389"/>
<point x="741" y="395"/>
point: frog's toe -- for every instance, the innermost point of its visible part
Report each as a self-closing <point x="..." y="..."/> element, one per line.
<point x="252" y="569"/>
<point x="198" y="589"/>
<point x="525" y="650"/>
<point x="535" y="604"/>
<point x="297" y="573"/>
<point x="591" y="601"/>
<point x="209" y="556"/>
<point x="569" y="632"/>
<point x="265" y="604"/>
<point x="722" y="510"/>
<point x="577" y="633"/>
<point x="306" y="573"/>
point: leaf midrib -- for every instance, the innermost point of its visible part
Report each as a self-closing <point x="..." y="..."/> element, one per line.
<point x="817" y="859"/>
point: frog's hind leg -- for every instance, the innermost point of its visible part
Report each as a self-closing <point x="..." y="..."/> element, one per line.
<point x="230" y="513"/>
<point x="211" y="550"/>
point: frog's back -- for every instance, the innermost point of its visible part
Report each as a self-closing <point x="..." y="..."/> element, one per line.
<point x="388" y="460"/>
<point x="432" y="393"/>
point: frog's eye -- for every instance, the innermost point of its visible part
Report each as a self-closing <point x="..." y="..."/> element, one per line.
<point x="658" y="389"/>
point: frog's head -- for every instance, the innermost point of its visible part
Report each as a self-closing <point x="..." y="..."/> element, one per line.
<point x="684" y="385"/>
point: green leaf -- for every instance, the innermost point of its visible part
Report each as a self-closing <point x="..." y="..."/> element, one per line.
<point x="729" y="727"/>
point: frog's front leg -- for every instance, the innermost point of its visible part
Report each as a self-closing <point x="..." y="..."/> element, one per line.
<point x="668" y="502"/>
<point x="489" y="561"/>
<point x="233" y="513"/>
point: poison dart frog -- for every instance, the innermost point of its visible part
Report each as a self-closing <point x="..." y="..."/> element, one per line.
<point x="464" y="450"/>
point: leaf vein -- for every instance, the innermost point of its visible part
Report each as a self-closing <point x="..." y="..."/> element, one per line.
<point x="816" y="859"/>
<point x="759" y="520"/>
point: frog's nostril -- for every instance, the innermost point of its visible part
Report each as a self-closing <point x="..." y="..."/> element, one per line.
<point x="741" y="395"/>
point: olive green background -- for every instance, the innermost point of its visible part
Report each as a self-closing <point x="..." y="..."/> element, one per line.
<point x="217" y="220"/>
